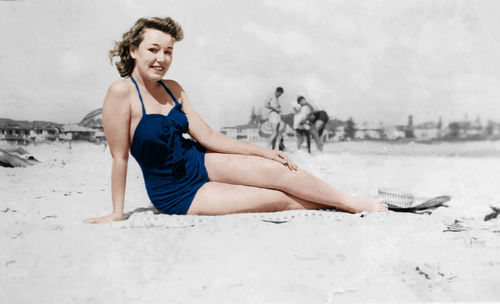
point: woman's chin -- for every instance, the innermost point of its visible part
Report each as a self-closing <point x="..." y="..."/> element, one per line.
<point x="156" y="75"/>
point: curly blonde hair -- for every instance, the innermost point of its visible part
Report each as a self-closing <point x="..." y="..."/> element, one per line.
<point x="135" y="36"/>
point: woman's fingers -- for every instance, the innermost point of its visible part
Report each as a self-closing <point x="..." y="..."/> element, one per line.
<point x="101" y="219"/>
<point x="286" y="161"/>
<point x="283" y="159"/>
<point x="95" y="220"/>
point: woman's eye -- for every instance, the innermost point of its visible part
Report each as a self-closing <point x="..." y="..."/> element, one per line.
<point x="153" y="50"/>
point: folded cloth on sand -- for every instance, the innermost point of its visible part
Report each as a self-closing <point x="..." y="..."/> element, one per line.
<point x="11" y="160"/>
<point x="496" y="211"/>
<point x="407" y="202"/>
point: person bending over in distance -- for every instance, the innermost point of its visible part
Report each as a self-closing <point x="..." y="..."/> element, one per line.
<point x="212" y="174"/>
<point x="317" y="121"/>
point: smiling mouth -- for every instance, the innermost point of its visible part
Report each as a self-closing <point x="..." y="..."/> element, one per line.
<point x="158" y="68"/>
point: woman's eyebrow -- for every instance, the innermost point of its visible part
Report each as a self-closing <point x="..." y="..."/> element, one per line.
<point x="156" y="44"/>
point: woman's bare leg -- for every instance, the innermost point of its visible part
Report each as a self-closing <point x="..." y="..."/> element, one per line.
<point x="221" y="198"/>
<point x="264" y="173"/>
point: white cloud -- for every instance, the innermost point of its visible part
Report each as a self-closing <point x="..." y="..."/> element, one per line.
<point x="290" y="42"/>
<point x="312" y="10"/>
<point x="71" y="64"/>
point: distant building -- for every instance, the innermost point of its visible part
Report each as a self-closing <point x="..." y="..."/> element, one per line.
<point x="24" y="132"/>
<point x="369" y="131"/>
<point x="337" y="135"/>
<point x="335" y="130"/>
<point x="493" y="130"/>
<point x="77" y="132"/>
<point x="15" y="131"/>
<point x="465" y="130"/>
<point x="427" y="131"/>
<point x="246" y="132"/>
<point x="394" y="132"/>
<point x="93" y="120"/>
<point x="45" y="131"/>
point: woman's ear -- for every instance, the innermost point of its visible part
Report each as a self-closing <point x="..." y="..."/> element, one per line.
<point x="133" y="51"/>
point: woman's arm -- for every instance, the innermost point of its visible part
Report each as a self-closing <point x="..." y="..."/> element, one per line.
<point x="218" y="142"/>
<point x="116" y="124"/>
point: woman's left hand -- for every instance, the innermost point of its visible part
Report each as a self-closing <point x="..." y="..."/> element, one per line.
<point x="283" y="159"/>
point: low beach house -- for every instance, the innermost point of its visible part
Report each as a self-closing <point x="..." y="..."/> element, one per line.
<point x="24" y="132"/>
<point x="17" y="132"/>
<point x="465" y="130"/>
<point x="77" y="132"/>
<point x="369" y="131"/>
<point x="427" y="131"/>
<point x="337" y="135"/>
<point x="248" y="132"/>
<point x="493" y="130"/>
<point x="45" y="131"/>
<point x="394" y="132"/>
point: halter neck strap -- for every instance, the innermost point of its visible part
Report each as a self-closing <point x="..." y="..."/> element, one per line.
<point x="140" y="96"/>
<point x="168" y="91"/>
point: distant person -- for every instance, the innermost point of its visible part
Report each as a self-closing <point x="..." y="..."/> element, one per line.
<point x="273" y="109"/>
<point x="317" y="121"/>
<point x="301" y="123"/>
<point x="148" y="117"/>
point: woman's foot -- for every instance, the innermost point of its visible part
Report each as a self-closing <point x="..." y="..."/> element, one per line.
<point x="361" y="203"/>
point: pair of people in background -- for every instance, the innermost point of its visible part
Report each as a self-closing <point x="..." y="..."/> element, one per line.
<point x="307" y="122"/>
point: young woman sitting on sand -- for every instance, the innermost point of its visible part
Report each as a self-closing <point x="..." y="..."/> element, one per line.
<point x="213" y="175"/>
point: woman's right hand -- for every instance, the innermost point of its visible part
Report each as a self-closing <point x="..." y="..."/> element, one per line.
<point x="281" y="158"/>
<point x="113" y="217"/>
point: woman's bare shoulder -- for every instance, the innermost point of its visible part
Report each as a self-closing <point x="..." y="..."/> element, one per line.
<point x="117" y="97"/>
<point x="119" y="88"/>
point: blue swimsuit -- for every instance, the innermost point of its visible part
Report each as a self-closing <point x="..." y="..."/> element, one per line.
<point x="173" y="166"/>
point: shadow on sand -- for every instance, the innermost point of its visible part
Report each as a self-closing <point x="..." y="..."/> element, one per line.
<point x="141" y="209"/>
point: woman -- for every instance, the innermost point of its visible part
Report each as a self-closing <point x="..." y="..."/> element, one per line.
<point x="214" y="175"/>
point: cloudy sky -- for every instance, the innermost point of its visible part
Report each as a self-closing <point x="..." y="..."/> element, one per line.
<point x="372" y="60"/>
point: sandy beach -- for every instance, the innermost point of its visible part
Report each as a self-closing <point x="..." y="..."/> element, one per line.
<point x="49" y="255"/>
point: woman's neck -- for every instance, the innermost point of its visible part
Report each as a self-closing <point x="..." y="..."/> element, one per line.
<point x="144" y="82"/>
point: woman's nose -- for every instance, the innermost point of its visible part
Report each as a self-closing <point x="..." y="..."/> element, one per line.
<point x="160" y="57"/>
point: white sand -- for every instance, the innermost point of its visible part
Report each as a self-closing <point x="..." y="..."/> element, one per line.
<point x="48" y="255"/>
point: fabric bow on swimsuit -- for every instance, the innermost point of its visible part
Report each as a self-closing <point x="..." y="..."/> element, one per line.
<point x="172" y="135"/>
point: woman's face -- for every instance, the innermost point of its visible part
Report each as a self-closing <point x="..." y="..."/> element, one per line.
<point x="154" y="54"/>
